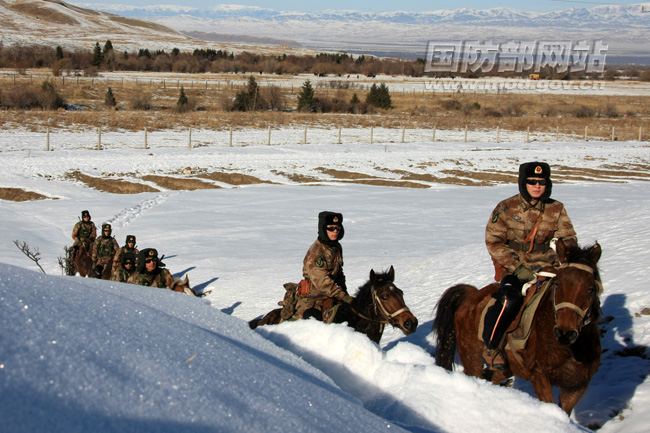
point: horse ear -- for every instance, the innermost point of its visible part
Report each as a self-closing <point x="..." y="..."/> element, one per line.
<point x="595" y="252"/>
<point x="373" y="276"/>
<point x="187" y="279"/>
<point x="391" y="274"/>
<point x="560" y="248"/>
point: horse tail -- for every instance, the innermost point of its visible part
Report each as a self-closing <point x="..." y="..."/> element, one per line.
<point x="443" y="323"/>
<point x="254" y="323"/>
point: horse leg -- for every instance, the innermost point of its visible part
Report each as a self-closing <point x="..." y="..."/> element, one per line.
<point x="569" y="398"/>
<point x="271" y="318"/>
<point x="542" y="387"/>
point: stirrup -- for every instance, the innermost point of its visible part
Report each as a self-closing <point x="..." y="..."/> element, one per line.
<point x="494" y="360"/>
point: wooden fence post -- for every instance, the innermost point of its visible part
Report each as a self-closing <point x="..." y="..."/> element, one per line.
<point x="371" y="134"/>
<point x="497" y="134"/>
<point x="586" y="132"/>
<point x="145" y="138"/>
<point x="99" y="138"/>
<point x="269" y="139"/>
<point x="47" y="140"/>
<point x="640" y="131"/>
<point x="612" y="133"/>
<point x="403" y="132"/>
<point x="528" y="134"/>
<point x="304" y="138"/>
<point x="189" y="139"/>
<point x="230" y="141"/>
<point x="434" y="134"/>
<point x="557" y="133"/>
<point x="339" y="142"/>
<point x="465" y="133"/>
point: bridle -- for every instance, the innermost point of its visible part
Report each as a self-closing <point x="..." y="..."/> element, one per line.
<point x="380" y="309"/>
<point x="585" y="315"/>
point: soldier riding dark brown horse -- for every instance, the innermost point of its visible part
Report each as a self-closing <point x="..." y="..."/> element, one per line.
<point x="563" y="349"/>
<point x="376" y="303"/>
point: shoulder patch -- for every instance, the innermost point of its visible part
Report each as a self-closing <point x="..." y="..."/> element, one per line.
<point x="495" y="216"/>
<point x="319" y="262"/>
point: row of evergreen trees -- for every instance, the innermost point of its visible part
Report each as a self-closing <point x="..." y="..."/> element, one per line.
<point x="378" y="96"/>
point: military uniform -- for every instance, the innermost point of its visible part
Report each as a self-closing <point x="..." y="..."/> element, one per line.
<point x="159" y="277"/>
<point x="323" y="268"/>
<point x="511" y="222"/>
<point x="121" y="273"/>
<point x="119" y="254"/>
<point x="518" y="237"/>
<point x="84" y="232"/>
<point x="104" y="248"/>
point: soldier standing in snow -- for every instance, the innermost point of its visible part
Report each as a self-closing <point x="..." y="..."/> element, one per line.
<point x="518" y="238"/>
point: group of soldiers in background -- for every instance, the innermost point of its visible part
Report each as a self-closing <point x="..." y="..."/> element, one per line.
<point x="128" y="264"/>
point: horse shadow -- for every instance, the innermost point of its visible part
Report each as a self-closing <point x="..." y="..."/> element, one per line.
<point x="181" y="273"/>
<point x="231" y="309"/>
<point x="623" y="367"/>
<point x="199" y="288"/>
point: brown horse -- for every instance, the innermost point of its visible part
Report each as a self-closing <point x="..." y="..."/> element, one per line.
<point x="377" y="303"/>
<point x="80" y="262"/>
<point x="564" y="345"/>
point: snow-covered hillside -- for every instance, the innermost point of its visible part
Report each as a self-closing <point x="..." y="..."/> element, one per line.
<point x="81" y="355"/>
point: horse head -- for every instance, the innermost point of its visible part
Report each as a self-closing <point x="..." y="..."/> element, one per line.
<point x="576" y="287"/>
<point x="388" y="302"/>
<point x="183" y="285"/>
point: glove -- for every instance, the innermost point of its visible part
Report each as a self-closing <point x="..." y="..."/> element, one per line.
<point x="524" y="274"/>
<point x="347" y="299"/>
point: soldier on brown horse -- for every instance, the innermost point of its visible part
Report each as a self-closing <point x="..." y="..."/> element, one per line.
<point x="78" y="256"/>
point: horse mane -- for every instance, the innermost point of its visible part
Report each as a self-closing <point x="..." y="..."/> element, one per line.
<point x="577" y="254"/>
<point x="364" y="293"/>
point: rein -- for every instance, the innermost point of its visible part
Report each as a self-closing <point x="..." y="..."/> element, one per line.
<point x="584" y="314"/>
<point x="376" y="302"/>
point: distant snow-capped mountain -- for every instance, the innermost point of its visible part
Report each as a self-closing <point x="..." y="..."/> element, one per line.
<point x="623" y="27"/>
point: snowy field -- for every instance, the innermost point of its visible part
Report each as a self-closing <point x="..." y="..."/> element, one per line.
<point x="86" y="355"/>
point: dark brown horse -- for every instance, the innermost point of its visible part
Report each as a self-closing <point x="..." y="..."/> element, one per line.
<point x="377" y="303"/>
<point x="564" y="345"/>
<point x="81" y="261"/>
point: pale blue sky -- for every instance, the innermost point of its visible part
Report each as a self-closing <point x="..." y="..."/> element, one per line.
<point x="375" y="5"/>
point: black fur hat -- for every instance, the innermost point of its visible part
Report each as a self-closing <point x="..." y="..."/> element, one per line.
<point x="535" y="169"/>
<point x="148" y="253"/>
<point x="128" y="258"/>
<point x="326" y="218"/>
<point x="110" y="229"/>
<point x="130" y="238"/>
<point x="85" y="213"/>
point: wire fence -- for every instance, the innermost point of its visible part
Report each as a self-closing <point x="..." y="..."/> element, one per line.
<point x="50" y="140"/>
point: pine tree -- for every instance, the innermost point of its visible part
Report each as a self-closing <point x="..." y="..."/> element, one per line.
<point x="182" y="99"/>
<point x="249" y="98"/>
<point x="108" y="46"/>
<point x="59" y="53"/>
<point x="355" y="99"/>
<point x="379" y="96"/>
<point x="306" y="97"/>
<point x="97" y="55"/>
<point x="109" y="100"/>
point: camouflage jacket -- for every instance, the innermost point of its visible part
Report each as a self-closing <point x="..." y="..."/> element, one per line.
<point x="119" y="254"/>
<point x="84" y="231"/>
<point x="512" y="221"/>
<point x="103" y="250"/>
<point x="120" y="274"/>
<point x="323" y="268"/>
<point x="160" y="278"/>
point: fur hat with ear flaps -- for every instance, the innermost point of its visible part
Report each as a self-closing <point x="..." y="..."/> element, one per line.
<point x="148" y="253"/>
<point x="535" y="169"/>
<point x="326" y="218"/>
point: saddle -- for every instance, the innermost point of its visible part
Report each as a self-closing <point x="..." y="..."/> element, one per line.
<point x="519" y="330"/>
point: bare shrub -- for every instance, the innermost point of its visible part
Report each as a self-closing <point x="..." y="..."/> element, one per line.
<point x="611" y="111"/>
<point x="583" y="111"/>
<point x="140" y="101"/>
<point x="452" y="104"/>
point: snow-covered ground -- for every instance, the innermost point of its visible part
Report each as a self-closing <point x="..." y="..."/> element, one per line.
<point x="80" y="355"/>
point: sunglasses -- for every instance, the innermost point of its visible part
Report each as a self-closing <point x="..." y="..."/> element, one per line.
<point x="334" y="229"/>
<point x="536" y="181"/>
<point x="130" y="242"/>
<point x="150" y="260"/>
